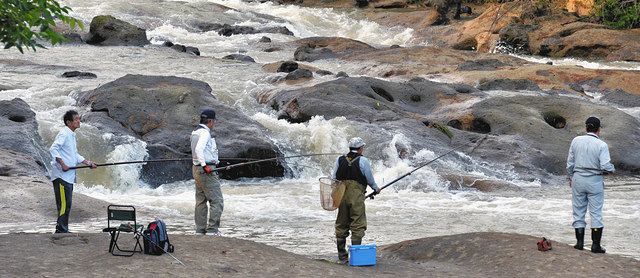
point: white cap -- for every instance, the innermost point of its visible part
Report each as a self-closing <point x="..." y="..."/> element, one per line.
<point x="356" y="143"/>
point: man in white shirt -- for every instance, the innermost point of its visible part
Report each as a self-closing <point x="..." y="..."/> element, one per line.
<point x="205" y="152"/>
<point x="587" y="162"/>
<point x="64" y="154"/>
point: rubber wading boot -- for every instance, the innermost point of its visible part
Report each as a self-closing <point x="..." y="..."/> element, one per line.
<point x="356" y="241"/>
<point x="580" y="237"/>
<point x="343" y="256"/>
<point x="596" y="236"/>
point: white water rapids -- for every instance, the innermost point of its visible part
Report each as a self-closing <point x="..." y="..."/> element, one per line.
<point x="284" y="212"/>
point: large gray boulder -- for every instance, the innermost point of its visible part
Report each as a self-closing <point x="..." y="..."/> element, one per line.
<point x="230" y="30"/>
<point x="364" y="99"/>
<point x="23" y="153"/>
<point x="537" y="131"/>
<point x="508" y="84"/>
<point x="15" y="164"/>
<point x="378" y="110"/>
<point x="529" y="135"/>
<point x="318" y="48"/>
<point x="163" y="110"/>
<point x="515" y="36"/>
<point x="107" y="30"/>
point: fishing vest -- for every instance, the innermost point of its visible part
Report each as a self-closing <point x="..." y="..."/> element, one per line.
<point x="349" y="169"/>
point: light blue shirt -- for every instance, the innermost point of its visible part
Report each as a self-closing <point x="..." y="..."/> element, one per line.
<point x="365" y="168"/>
<point x="64" y="147"/>
<point x="588" y="156"/>
<point x="203" y="147"/>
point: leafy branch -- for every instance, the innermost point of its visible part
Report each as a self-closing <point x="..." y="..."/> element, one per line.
<point x="25" y="22"/>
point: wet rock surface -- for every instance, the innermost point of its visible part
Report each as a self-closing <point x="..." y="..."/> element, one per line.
<point x="107" y="30"/>
<point x="23" y="152"/>
<point x="239" y="57"/>
<point x="79" y="74"/>
<point x="163" y="110"/>
<point x="516" y="255"/>
<point x="533" y="131"/>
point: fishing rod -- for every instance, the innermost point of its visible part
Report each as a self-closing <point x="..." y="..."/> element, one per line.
<point x="252" y="160"/>
<point x="132" y="162"/>
<point x="155" y="161"/>
<point x="370" y="196"/>
<point x="270" y="159"/>
<point x="478" y="143"/>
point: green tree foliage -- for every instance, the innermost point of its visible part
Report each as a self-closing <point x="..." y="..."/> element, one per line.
<point x="620" y="14"/>
<point x="24" y="22"/>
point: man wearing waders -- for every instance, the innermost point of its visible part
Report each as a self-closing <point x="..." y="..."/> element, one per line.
<point x="64" y="154"/>
<point x="355" y="170"/>
<point x="205" y="153"/>
<point x="587" y="162"/>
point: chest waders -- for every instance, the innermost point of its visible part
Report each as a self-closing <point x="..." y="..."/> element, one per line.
<point x="351" y="212"/>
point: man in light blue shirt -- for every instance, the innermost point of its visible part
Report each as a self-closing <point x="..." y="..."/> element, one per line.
<point x="354" y="170"/>
<point x="587" y="162"/>
<point x="208" y="193"/>
<point x="64" y="154"/>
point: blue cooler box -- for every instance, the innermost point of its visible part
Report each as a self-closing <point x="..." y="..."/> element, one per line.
<point x="361" y="255"/>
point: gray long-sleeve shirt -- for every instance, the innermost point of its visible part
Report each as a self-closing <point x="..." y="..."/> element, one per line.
<point x="588" y="156"/>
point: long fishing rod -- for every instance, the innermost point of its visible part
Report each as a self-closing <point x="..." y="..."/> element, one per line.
<point x="132" y="162"/>
<point x="416" y="169"/>
<point x="155" y="161"/>
<point x="253" y="160"/>
<point x="478" y="143"/>
<point x="270" y="159"/>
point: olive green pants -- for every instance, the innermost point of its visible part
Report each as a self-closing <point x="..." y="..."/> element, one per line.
<point x="351" y="212"/>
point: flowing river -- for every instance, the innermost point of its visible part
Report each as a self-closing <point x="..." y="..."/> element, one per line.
<point x="285" y="212"/>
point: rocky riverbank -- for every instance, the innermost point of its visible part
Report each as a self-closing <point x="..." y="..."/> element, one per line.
<point x="464" y="255"/>
<point x="519" y="115"/>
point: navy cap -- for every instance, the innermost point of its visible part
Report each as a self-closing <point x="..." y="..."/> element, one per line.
<point x="593" y="122"/>
<point x="208" y="114"/>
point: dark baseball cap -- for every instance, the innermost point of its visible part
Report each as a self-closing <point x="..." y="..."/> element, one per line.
<point x="208" y="114"/>
<point x="593" y="122"/>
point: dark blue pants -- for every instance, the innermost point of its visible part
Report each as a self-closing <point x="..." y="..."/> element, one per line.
<point x="64" y="193"/>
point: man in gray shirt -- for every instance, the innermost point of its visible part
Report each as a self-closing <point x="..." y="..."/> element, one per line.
<point x="587" y="162"/>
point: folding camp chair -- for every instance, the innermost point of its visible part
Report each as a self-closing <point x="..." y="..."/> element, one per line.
<point x="122" y="214"/>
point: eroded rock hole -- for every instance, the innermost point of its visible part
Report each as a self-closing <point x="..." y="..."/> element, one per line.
<point x="457" y="124"/>
<point x="19" y="119"/>
<point x="479" y="125"/>
<point x="416" y="98"/>
<point x="555" y="120"/>
<point x="383" y="93"/>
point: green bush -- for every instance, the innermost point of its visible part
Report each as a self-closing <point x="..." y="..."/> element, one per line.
<point x="620" y="14"/>
<point x="23" y="22"/>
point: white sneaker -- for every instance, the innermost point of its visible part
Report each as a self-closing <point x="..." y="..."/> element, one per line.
<point x="218" y="233"/>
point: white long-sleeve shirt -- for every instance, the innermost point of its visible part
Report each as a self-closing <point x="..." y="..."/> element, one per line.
<point x="588" y="156"/>
<point x="203" y="147"/>
<point x="64" y="147"/>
